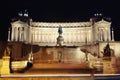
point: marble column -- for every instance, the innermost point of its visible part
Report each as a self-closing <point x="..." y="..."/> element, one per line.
<point x="68" y="37"/>
<point x="32" y="33"/>
<point x="22" y="34"/>
<point x="47" y="39"/>
<point x="33" y="36"/>
<point x="39" y="36"/>
<point x="88" y="36"/>
<point x="80" y="37"/>
<point x="20" y="31"/>
<point x="25" y="34"/>
<point x="12" y="35"/>
<point x="109" y="33"/>
<point x="44" y="37"/>
<point x="53" y="36"/>
<point x="16" y="34"/>
<point x="101" y="35"/>
<point x="42" y="34"/>
<point x="112" y="35"/>
<point x="9" y="34"/>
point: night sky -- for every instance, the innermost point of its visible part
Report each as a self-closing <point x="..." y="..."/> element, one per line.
<point x="59" y="11"/>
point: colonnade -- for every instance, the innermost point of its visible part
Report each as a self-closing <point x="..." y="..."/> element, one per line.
<point x="80" y="33"/>
<point x="70" y="35"/>
<point x="49" y="35"/>
<point x="103" y="34"/>
<point x="18" y="34"/>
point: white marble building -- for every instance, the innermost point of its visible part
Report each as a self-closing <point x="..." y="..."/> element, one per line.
<point x="46" y="33"/>
<point x="74" y="33"/>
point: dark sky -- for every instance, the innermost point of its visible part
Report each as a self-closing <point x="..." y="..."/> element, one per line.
<point x="59" y="10"/>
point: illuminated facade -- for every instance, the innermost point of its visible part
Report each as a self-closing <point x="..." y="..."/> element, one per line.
<point x="46" y="33"/>
<point x="83" y="41"/>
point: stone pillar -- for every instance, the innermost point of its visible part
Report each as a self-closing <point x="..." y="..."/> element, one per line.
<point x="108" y="34"/>
<point x="43" y="36"/>
<point x="17" y="36"/>
<point x="85" y="36"/>
<point x="12" y="35"/>
<point x="46" y="37"/>
<point x="90" y="36"/>
<point x="105" y="34"/>
<point x="16" y="33"/>
<point x="75" y="36"/>
<point x="24" y="32"/>
<point x="52" y="37"/>
<point x="80" y="36"/>
<point x="36" y="34"/>
<point x="94" y="33"/>
<point x="112" y="35"/>
<point x="39" y="36"/>
<point x="20" y="33"/>
<point x="101" y="35"/>
<point x="9" y="34"/>
<point x="33" y="36"/>
<point x="29" y="34"/>
<point x="109" y="38"/>
<point x="70" y="37"/>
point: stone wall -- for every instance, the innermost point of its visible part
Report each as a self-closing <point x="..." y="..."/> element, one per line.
<point x="57" y="54"/>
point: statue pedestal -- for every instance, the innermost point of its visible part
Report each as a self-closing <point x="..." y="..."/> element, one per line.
<point x="5" y="69"/>
<point x="109" y="65"/>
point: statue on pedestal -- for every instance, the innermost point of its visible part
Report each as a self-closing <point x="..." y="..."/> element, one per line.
<point x="7" y="51"/>
<point x="60" y="38"/>
<point x="108" y="52"/>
